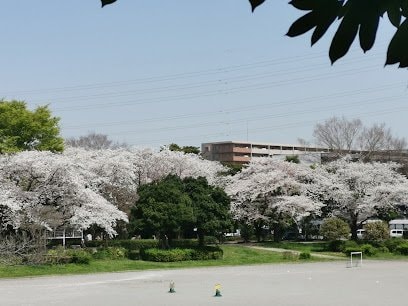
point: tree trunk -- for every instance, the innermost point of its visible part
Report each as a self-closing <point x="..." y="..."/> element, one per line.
<point x="353" y="226"/>
<point x="258" y="232"/>
<point x="164" y="242"/>
<point x="277" y="233"/>
<point x="201" y="241"/>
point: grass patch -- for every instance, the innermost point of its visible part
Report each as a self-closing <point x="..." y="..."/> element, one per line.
<point x="314" y="247"/>
<point x="233" y="255"/>
<point x="322" y="246"/>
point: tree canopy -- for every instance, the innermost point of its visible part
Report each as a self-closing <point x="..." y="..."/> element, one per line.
<point x="83" y="188"/>
<point x="46" y="190"/>
<point x="357" y="191"/>
<point x="170" y="206"/>
<point x="22" y="129"/>
<point x="272" y="193"/>
<point x="94" y="141"/>
<point x="360" y="17"/>
<point x="185" y="149"/>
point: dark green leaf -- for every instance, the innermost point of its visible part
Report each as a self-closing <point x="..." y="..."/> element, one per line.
<point x="304" y="5"/>
<point x="323" y="14"/>
<point x="404" y="8"/>
<point x="394" y="13"/>
<point x="325" y="17"/>
<point x="344" y="9"/>
<point x="398" y="48"/>
<point x="368" y="28"/>
<point x="106" y="2"/>
<point x="320" y="30"/>
<point x="344" y="37"/>
<point x="256" y="3"/>
<point x="302" y="25"/>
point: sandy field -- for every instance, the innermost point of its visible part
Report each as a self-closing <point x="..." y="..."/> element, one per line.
<point x="329" y="283"/>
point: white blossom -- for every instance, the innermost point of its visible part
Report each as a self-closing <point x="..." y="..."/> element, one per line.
<point x="267" y="189"/>
<point x="81" y="187"/>
<point x="356" y="191"/>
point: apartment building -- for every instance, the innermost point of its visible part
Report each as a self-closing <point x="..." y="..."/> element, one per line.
<point x="240" y="152"/>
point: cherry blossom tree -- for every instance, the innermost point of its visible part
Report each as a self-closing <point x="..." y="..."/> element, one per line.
<point x="185" y="165"/>
<point x="120" y="172"/>
<point x="10" y="207"/>
<point x="81" y="188"/>
<point x="50" y="190"/>
<point x="270" y="192"/>
<point x="357" y="191"/>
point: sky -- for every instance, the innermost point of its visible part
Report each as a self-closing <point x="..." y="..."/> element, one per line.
<point x="155" y="72"/>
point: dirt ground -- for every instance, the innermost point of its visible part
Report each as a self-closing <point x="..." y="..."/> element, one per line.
<point x="329" y="283"/>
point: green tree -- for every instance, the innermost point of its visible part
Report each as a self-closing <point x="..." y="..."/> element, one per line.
<point x="334" y="229"/>
<point x="171" y="205"/>
<point x="185" y="149"/>
<point x="162" y="209"/>
<point x="175" y="147"/>
<point x="211" y="207"/>
<point x="232" y="168"/>
<point x="191" y="149"/>
<point x="360" y="17"/>
<point x="22" y="129"/>
<point x="292" y="159"/>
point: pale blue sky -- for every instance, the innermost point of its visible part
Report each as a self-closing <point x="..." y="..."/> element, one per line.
<point x="152" y="72"/>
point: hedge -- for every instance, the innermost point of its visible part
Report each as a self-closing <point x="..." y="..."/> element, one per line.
<point x="403" y="248"/>
<point x="112" y="253"/>
<point x="178" y="254"/>
<point x="62" y="256"/>
<point x="127" y="244"/>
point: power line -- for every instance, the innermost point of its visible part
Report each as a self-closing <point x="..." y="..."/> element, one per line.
<point x="171" y="77"/>
<point x="240" y="89"/>
<point x="288" y="102"/>
<point x="195" y="85"/>
<point x="261" y="130"/>
<point x="260" y="118"/>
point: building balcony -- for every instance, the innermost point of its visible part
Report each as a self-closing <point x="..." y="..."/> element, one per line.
<point x="241" y="159"/>
<point x="241" y="150"/>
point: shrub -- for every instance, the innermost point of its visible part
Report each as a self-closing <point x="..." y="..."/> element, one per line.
<point x="402" y="248"/>
<point x="368" y="249"/>
<point x="147" y="243"/>
<point x="351" y="246"/>
<point x="334" y="229"/>
<point x="290" y="255"/>
<point x="376" y="231"/>
<point x="348" y="250"/>
<point x="62" y="256"/>
<point x="207" y="253"/>
<point x="159" y="255"/>
<point x="127" y="244"/>
<point x="383" y="249"/>
<point x="170" y="255"/>
<point x="393" y="243"/>
<point x="57" y="256"/>
<point x="133" y="254"/>
<point x="110" y="253"/>
<point x="305" y="255"/>
<point x="336" y="245"/>
<point x="80" y="257"/>
<point x="210" y="240"/>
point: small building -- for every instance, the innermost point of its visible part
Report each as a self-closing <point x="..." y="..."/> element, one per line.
<point x="64" y="233"/>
